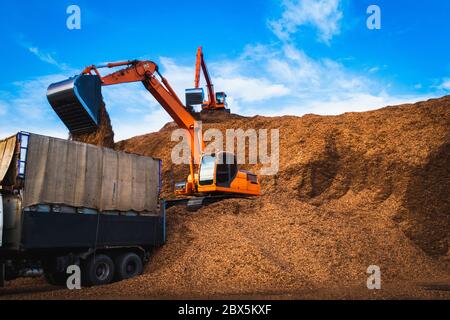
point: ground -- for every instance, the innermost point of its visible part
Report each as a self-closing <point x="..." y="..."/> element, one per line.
<point x="352" y="191"/>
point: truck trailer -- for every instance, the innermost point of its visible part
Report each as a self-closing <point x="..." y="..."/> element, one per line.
<point x="65" y="203"/>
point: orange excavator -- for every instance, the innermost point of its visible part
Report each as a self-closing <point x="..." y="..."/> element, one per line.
<point x="77" y="101"/>
<point x="195" y="96"/>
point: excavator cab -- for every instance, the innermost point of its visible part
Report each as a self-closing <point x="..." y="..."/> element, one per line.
<point x="219" y="173"/>
<point x="220" y="169"/>
<point x="221" y="100"/>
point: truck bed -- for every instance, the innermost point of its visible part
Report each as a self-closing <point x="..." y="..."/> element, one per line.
<point x="74" y="230"/>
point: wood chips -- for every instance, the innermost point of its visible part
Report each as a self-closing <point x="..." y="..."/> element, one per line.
<point x="352" y="191"/>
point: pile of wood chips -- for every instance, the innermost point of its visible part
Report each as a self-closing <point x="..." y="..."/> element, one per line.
<point x="352" y="191"/>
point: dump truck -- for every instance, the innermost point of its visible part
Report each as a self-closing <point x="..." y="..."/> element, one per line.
<point x="65" y="203"/>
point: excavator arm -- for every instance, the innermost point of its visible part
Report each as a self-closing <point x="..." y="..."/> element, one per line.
<point x="200" y="63"/>
<point x="145" y="71"/>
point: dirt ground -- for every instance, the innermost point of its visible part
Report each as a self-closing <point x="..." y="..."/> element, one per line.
<point x="352" y="191"/>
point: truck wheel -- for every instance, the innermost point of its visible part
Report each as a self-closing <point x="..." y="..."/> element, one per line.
<point x="98" y="270"/>
<point x="128" y="265"/>
<point x="56" y="278"/>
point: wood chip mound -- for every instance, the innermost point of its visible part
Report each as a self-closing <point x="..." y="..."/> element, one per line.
<point x="352" y="191"/>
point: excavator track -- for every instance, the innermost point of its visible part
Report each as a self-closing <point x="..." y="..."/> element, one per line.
<point x="195" y="203"/>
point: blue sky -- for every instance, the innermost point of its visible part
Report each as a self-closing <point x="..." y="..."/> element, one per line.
<point x="271" y="57"/>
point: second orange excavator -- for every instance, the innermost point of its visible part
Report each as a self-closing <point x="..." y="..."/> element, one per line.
<point x="217" y="101"/>
<point x="77" y="102"/>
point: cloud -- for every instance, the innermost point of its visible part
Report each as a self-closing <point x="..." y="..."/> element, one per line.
<point x="179" y="76"/>
<point x="227" y="76"/>
<point x="251" y="89"/>
<point x="306" y="76"/>
<point x="30" y="99"/>
<point x="46" y="57"/>
<point x="26" y="108"/>
<point x="41" y="54"/>
<point x="152" y="121"/>
<point x="322" y="15"/>
<point x="359" y="102"/>
<point x="445" y="84"/>
<point x="133" y="110"/>
<point x="306" y="84"/>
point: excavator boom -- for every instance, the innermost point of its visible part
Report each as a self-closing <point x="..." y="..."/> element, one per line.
<point x="200" y="63"/>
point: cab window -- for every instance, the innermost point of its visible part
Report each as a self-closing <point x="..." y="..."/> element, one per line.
<point x="207" y="170"/>
<point x="226" y="169"/>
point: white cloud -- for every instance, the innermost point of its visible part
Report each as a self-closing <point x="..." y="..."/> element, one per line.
<point x="359" y="102"/>
<point x="306" y="84"/>
<point x="308" y="77"/>
<point x="27" y="108"/>
<point x="227" y="76"/>
<point x="133" y="110"/>
<point x="251" y="89"/>
<point x="445" y="84"/>
<point x="267" y="80"/>
<point x="129" y="97"/>
<point x="323" y="15"/>
<point x="46" y="57"/>
<point x="42" y="55"/>
<point x="151" y="122"/>
<point x="180" y="77"/>
<point x="31" y="100"/>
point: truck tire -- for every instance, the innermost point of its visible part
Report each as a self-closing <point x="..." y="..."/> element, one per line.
<point x="128" y="265"/>
<point x="56" y="278"/>
<point x="98" y="270"/>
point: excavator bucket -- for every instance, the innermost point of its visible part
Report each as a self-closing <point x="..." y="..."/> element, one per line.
<point x="77" y="102"/>
<point x="194" y="96"/>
